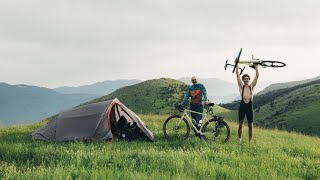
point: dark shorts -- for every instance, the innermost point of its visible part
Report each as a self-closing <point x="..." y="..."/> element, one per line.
<point x="197" y="108"/>
<point x="245" y="109"/>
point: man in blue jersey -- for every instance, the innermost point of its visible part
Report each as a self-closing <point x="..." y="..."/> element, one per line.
<point x="198" y="95"/>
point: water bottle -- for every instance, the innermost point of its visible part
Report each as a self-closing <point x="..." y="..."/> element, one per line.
<point x="199" y="124"/>
<point x="194" y="122"/>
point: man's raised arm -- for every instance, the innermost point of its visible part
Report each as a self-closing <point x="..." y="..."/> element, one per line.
<point x="255" y="80"/>
<point x="238" y="78"/>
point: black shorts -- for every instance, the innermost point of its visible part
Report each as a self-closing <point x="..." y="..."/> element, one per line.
<point x="245" y="110"/>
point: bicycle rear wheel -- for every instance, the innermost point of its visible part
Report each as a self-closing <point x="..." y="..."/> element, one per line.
<point x="272" y="64"/>
<point x="216" y="130"/>
<point x="175" y="128"/>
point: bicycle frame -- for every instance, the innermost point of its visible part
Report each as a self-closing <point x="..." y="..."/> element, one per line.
<point x="189" y="119"/>
<point x="250" y="62"/>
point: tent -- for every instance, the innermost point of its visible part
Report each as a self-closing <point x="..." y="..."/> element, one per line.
<point x="103" y="120"/>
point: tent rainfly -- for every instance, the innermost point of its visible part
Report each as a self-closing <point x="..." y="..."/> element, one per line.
<point x="103" y="120"/>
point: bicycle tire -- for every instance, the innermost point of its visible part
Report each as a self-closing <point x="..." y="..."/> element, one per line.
<point x="272" y="64"/>
<point x="216" y="130"/>
<point x="237" y="61"/>
<point x="172" y="128"/>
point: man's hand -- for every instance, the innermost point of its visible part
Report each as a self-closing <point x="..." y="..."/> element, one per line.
<point x="204" y="103"/>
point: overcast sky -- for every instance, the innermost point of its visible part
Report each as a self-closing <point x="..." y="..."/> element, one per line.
<point x="74" y="42"/>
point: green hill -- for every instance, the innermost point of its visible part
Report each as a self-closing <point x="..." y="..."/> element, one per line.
<point x="99" y="88"/>
<point x="25" y="104"/>
<point x="277" y="86"/>
<point x="293" y="109"/>
<point x="262" y="99"/>
<point x="152" y="96"/>
<point x="297" y="110"/>
<point x="274" y="154"/>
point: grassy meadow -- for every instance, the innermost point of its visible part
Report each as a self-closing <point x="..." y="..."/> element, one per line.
<point x="273" y="154"/>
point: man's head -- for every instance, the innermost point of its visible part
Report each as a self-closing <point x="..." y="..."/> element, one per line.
<point x="246" y="79"/>
<point x="194" y="80"/>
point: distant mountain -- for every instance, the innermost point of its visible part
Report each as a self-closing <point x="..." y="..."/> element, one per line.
<point x="295" y="108"/>
<point x="152" y="96"/>
<point x="220" y="91"/>
<point x="25" y="104"/>
<point x="286" y="85"/>
<point x="100" y="88"/>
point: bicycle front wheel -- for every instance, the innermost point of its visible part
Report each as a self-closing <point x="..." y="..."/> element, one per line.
<point x="216" y="130"/>
<point x="272" y="64"/>
<point x="175" y="128"/>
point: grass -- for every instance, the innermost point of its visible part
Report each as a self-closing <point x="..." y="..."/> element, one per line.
<point x="274" y="154"/>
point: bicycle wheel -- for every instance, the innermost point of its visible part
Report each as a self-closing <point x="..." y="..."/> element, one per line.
<point x="272" y="64"/>
<point x="175" y="128"/>
<point x="237" y="61"/>
<point x="216" y="130"/>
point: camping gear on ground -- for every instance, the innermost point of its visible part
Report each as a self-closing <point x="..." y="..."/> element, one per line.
<point x="102" y="120"/>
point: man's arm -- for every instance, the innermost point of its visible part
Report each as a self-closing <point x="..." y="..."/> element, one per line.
<point x="204" y="93"/>
<point x="254" y="82"/>
<point x="186" y="97"/>
<point x="238" y="78"/>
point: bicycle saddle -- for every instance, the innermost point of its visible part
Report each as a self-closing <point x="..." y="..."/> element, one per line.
<point x="210" y="104"/>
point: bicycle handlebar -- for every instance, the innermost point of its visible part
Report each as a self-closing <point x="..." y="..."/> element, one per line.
<point x="208" y="106"/>
<point x="226" y="65"/>
<point x="178" y="107"/>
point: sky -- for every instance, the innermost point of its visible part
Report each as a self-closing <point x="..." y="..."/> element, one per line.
<point x="76" y="42"/>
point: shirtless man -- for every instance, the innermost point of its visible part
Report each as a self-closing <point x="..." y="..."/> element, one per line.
<point x="246" y="93"/>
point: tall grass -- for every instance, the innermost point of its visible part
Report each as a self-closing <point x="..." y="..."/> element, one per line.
<point x="272" y="155"/>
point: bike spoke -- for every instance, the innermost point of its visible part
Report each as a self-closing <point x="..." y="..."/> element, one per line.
<point x="217" y="131"/>
<point x="176" y="128"/>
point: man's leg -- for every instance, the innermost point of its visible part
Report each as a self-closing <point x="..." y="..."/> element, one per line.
<point x="240" y="131"/>
<point x="250" y="124"/>
<point x="250" y="127"/>
<point x="199" y="116"/>
<point x="241" y="115"/>
<point x="194" y="116"/>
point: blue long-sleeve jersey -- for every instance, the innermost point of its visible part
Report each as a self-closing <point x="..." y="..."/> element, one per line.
<point x="197" y="92"/>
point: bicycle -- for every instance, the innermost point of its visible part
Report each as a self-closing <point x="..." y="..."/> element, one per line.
<point x="177" y="127"/>
<point x="253" y="62"/>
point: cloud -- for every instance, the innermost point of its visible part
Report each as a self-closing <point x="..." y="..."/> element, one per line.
<point x="75" y="42"/>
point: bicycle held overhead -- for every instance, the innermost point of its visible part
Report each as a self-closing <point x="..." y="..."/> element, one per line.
<point x="253" y="62"/>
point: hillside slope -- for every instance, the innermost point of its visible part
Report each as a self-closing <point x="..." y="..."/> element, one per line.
<point x="298" y="110"/>
<point x="152" y="96"/>
<point x="100" y="88"/>
<point x="293" y="109"/>
<point x="262" y="99"/>
<point x="277" y="86"/>
<point x="25" y="104"/>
